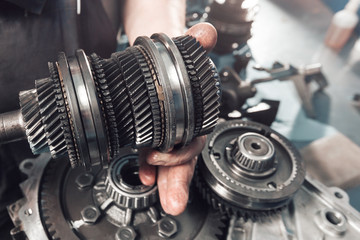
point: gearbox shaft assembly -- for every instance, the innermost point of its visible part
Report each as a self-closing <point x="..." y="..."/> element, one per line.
<point x="158" y="93"/>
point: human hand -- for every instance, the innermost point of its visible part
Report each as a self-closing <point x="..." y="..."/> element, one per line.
<point x="175" y="169"/>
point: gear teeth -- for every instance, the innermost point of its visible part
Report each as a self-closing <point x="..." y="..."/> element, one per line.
<point x="47" y="203"/>
<point x="103" y="89"/>
<point x="156" y="105"/>
<point x="228" y="209"/>
<point x="30" y="111"/>
<point x="204" y="83"/>
<point x="138" y="105"/>
<point x="63" y="116"/>
<point x="50" y="115"/>
<point x="149" y="119"/>
<point x="120" y="101"/>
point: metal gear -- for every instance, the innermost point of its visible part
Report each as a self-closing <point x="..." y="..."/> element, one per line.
<point x="140" y="91"/>
<point x="30" y="111"/>
<point x="204" y="81"/>
<point x="50" y="114"/>
<point x="62" y="217"/>
<point x="156" y="94"/>
<point x="258" y="185"/>
<point x="98" y="70"/>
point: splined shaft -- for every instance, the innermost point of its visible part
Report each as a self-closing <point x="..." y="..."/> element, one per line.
<point x="159" y="93"/>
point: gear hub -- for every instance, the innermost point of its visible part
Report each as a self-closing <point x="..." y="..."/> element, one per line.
<point x="248" y="170"/>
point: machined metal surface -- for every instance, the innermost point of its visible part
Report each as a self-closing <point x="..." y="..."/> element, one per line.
<point x="247" y="169"/>
<point x="316" y="212"/>
<point x="159" y="93"/>
<point x="11" y="127"/>
<point x="63" y="210"/>
<point x="66" y="203"/>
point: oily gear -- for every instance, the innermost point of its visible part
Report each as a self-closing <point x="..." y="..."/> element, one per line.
<point x="248" y="170"/>
<point x="158" y="93"/>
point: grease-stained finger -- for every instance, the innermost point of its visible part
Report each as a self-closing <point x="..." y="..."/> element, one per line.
<point x="173" y="183"/>
<point x="177" y="156"/>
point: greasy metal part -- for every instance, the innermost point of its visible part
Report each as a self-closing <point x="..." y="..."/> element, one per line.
<point x="27" y="210"/>
<point x="62" y="210"/>
<point x="176" y="88"/>
<point x="254" y="153"/>
<point x="11" y="127"/>
<point x="316" y="212"/>
<point x="123" y="185"/>
<point x="55" y="208"/>
<point x="248" y="170"/>
<point x="184" y="89"/>
<point x="95" y="106"/>
<point x="154" y="94"/>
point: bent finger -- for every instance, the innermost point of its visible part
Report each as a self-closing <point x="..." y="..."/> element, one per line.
<point x="147" y="173"/>
<point x="177" y="156"/>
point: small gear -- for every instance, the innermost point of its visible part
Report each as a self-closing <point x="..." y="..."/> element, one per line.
<point x="30" y="111"/>
<point x="124" y="186"/>
<point x="67" y="123"/>
<point x="204" y="83"/>
<point x="253" y="152"/>
<point x="62" y="117"/>
<point x="251" y="191"/>
<point x="98" y="66"/>
<point x="50" y="115"/>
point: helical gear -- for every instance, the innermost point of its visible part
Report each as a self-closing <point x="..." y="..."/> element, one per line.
<point x="204" y="82"/>
<point x="158" y="93"/>
<point x="30" y="111"/>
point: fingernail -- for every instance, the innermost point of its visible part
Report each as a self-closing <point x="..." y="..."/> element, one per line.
<point x="159" y="162"/>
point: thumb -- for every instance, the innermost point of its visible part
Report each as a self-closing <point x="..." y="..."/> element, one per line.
<point x="205" y="33"/>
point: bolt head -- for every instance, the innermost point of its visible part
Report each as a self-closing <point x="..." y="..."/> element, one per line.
<point x="125" y="233"/>
<point x="167" y="227"/>
<point x="84" y="180"/>
<point x="90" y="214"/>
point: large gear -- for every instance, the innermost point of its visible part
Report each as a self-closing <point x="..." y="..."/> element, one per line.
<point x="62" y="217"/>
<point x="204" y="81"/>
<point x="248" y="188"/>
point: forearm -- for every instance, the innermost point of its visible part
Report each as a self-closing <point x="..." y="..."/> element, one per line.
<point x="145" y="17"/>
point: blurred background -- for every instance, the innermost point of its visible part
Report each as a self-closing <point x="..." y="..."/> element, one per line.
<point x="278" y="67"/>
